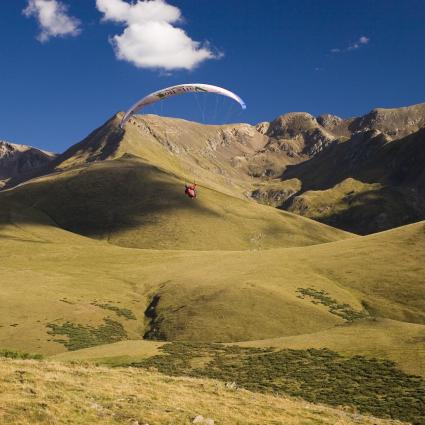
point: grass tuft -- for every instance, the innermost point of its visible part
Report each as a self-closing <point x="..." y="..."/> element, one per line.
<point x="17" y="355"/>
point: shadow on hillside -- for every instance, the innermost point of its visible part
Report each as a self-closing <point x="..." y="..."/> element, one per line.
<point x="99" y="145"/>
<point x="375" y="211"/>
<point x="365" y="157"/>
<point x="102" y="198"/>
<point x="369" y="158"/>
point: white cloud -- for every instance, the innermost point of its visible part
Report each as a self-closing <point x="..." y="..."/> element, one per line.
<point x="149" y="39"/>
<point x="52" y="18"/>
<point x="353" y="47"/>
<point x="363" y="40"/>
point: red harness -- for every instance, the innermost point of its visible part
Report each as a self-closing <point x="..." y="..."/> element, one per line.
<point x="190" y="190"/>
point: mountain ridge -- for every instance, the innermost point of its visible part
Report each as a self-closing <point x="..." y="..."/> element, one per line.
<point x="296" y="150"/>
<point x="21" y="161"/>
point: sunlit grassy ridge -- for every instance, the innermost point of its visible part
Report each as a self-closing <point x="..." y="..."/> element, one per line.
<point x="214" y="155"/>
<point x="359" y="207"/>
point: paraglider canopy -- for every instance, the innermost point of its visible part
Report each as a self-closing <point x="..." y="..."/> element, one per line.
<point x="176" y="90"/>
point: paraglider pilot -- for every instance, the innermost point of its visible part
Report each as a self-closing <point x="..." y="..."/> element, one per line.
<point x="190" y="190"/>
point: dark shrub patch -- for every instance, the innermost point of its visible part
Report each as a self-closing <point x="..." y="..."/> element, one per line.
<point x="372" y="386"/>
<point x="322" y="297"/>
<point x="11" y="354"/>
<point x="80" y="336"/>
<point x="124" y="312"/>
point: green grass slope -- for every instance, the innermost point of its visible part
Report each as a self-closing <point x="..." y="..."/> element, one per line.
<point x="356" y="206"/>
<point x="122" y="352"/>
<point x="64" y="292"/>
<point x="401" y="342"/>
<point x="61" y="295"/>
<point x="368" y="184"/>
<point x="76" y="298"/>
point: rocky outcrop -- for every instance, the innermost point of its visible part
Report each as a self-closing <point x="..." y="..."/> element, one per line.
<point x="263" y="127"/>
<point x="20" y="160"/>
<point x="276" y="193"/>
<point x="395" y="123"/>
<point x="292" y="125"/>
<point x="298" y="134"/>
<point x="337" y="126"/>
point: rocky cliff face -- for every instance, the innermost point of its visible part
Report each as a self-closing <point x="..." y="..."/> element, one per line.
<point x="20" y="160"/>
<point x="370" y="177"/>
<point x="395" y="123"/>
<point x="298" y="133"/>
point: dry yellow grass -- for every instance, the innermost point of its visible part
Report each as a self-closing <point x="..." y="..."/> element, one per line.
<point x="119" y="351"/>
<point x="51" y="393"/>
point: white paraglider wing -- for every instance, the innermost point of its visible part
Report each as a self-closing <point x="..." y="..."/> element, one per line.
<point x="176" y="90"/>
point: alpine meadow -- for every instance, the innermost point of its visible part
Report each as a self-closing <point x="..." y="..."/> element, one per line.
<point x="172" y="268"/>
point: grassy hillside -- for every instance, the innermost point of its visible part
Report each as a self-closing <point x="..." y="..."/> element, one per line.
<point x="68" y="287"/>
<point x="212" y="154"/>
<point x="367" y="184"/>
<point x="363" y="175"/>
<point x="372" y="385"/>
<point x="356" y="206"/>
<point x="63" y="291"/>
<point x="400" y="342"/>
<point x="77" y="298"/>
<point x="106" y="261"/>
<point x="46" y="392"/>
<point x="131" y="203"/>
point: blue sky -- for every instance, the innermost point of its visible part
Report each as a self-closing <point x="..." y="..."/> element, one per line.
<point x="278" y="55"/>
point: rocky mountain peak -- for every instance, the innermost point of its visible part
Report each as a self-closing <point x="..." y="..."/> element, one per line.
<point x="395" y="123"/>
<point x="8" y="149"/>
<point x="298" y="133"/>
<point x="329" y="121"/>
<point x="17" y="160"/>
<point x="263" y="127"/>
<point x="292" y="124"/>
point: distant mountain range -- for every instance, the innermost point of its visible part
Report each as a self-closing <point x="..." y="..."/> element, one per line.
<point x="363" y="174"/>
